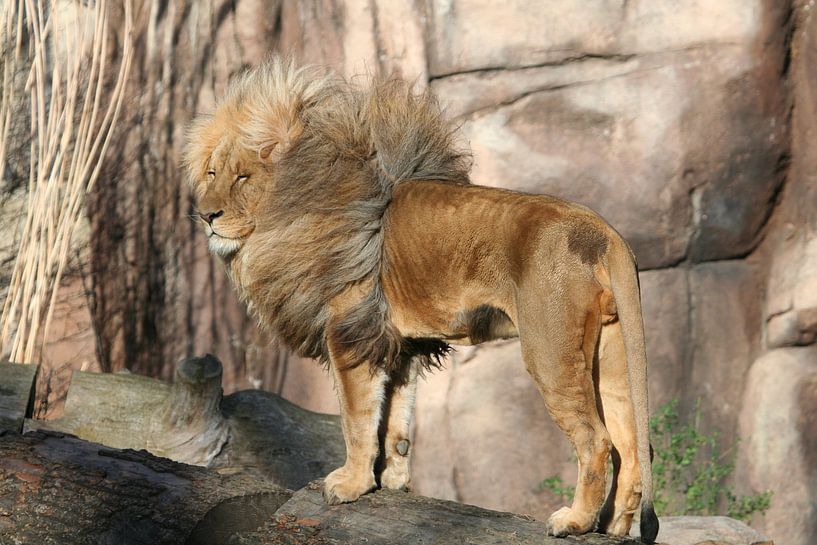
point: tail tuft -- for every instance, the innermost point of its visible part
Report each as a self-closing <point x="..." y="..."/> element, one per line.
<point x="649" y="524"/>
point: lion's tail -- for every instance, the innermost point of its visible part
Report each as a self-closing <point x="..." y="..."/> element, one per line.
<point x="625" y="286"/>
<point x="411" y="138"/>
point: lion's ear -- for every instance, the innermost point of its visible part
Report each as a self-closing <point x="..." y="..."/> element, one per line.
<point x="274" y="149"/>
<point x="265" y="151"/>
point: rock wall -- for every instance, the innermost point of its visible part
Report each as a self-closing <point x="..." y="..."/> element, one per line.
<point x="688" y="125"/>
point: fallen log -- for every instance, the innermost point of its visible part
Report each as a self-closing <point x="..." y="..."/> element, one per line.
<point x="189" y="426"/>
<point x="252" y="432"/>
<point x="57" y="489"/>
<point x="16" y="394"/>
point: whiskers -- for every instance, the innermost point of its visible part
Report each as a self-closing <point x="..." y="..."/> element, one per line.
<point x="199" y="219"/>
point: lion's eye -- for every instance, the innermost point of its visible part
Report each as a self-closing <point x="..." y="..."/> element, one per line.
<point x="211" y="174"/>
<point x="242" y="178"/>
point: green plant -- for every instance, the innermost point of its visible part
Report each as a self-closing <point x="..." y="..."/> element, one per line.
<point x="689" y="470"/>
<point x="556" y="485"/>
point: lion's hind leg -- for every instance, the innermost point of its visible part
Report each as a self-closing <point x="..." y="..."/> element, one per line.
<point x="617" y="409"/>
<point x="559" y="338"/>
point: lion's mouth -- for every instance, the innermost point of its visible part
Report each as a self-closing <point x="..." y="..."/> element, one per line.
<point x="211" y="232"/>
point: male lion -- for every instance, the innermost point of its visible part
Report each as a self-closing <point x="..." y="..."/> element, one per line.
<point x="346" y="221"/>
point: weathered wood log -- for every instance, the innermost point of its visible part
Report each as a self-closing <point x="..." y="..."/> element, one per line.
<point x="251" y="432"/>
<point x="189" y="427"/>
<point x="57" y="489"/>
<point x="112" y="409"/>
<point x="277" y="440"/>
<point x="16" y="394"/>
<point x="387" y="517"/>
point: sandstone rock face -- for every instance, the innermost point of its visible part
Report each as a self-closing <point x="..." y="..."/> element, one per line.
<point x="724" y="326"/>
<point x="665" y="301"/>
<point x="779" y="424"/>
<point x="792" y="300"/>
<point x="778" y="414"/>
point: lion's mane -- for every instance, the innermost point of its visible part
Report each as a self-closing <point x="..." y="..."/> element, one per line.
<point x="321" y="230"/>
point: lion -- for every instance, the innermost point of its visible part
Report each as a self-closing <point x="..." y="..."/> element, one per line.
<point x="347" y="222"/>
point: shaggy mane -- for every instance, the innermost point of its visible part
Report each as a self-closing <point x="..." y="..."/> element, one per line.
<point x="321" y="229"/>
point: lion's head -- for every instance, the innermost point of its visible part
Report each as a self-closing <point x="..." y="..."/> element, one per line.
<point x="231" y="156"/>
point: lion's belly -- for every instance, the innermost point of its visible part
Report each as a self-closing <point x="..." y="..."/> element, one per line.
<point x="465" y="327"/>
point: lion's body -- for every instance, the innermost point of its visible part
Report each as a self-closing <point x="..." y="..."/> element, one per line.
<point x="347" y="222"/>
<point x="451" y="249"/>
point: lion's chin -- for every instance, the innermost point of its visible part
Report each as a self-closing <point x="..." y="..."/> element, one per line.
<point x="224" y="247"/>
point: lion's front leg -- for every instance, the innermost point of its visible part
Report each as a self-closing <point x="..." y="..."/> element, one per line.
<point x="397" y="446"/>
<point x="360" y="392"/>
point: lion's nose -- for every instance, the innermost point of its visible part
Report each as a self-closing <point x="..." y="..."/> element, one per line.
<point x="210" y="216"/>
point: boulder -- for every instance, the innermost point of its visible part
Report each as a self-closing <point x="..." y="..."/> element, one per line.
<point x="791" y="311"/>
<point x="778" y="423"/>
<point x="707" y="531"/>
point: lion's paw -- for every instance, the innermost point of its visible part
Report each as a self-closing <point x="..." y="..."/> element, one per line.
<point x="343" y="485"/>
<point x="394" y="477"/>
<point x="620" y="527"/>
<point x="566" y="522"/>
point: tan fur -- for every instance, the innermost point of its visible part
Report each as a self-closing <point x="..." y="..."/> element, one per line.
<point x="346" y="221"/>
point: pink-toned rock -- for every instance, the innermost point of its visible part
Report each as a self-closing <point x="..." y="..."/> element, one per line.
<point x="310" y="385"/>
<point x="792" y="328"/>
<point x="725" y="310"/>
<point x="466" y="35"/>
<point x="778" y="423"/>
<point x="433" y="453"/>
<point x="665" y="307"/>
<point x="792" y="292"/>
